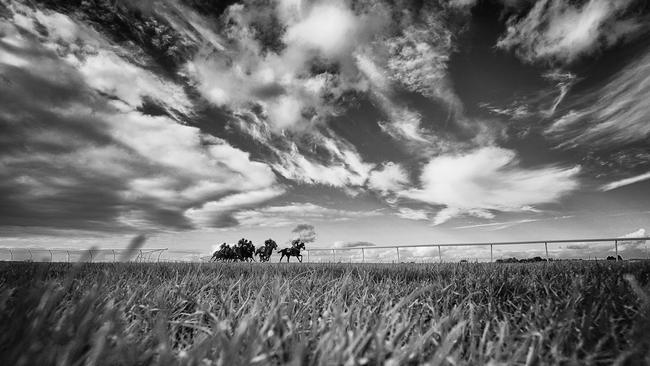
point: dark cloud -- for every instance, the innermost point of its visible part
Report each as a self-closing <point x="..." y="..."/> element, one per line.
<point x="305" y="232"/>
<point x="353" y="244"/>
<point x="39" y="185"/>
<point x="73" y="157"/>
<point x="137" y="23"/>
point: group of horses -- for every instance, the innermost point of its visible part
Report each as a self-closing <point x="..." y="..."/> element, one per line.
<point x="244" y="251"/>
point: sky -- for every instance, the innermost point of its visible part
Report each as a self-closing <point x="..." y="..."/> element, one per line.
<point x="375" y="122"/>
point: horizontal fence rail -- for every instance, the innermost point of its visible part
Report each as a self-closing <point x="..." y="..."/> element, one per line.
<point x="74" y="255"/>
<point x="328" y="254"/>
<point x="439" y="246"/>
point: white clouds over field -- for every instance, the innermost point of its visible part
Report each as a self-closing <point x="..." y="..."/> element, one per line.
<point x="182" y="116"/>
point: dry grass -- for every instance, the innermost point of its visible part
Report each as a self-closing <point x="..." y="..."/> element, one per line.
<point x="231" y="314"/>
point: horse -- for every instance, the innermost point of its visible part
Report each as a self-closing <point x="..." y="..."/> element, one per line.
<point x="224" y="253"/>
<point x="245" y="250"/>
<point x="242" y="251"/>
<point x="294" y="251"/>
<point x="265" y="252"/>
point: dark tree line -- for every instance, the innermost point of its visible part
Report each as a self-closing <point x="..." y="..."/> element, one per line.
<point x="540" y="259"/>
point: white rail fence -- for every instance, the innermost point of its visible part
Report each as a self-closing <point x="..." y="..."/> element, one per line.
<point x="477" y="250"/>
<point x="75" y="255"/>
<point x="436" y="252"/>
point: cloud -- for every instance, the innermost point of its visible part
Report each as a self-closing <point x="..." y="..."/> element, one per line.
<point x="564" y="81"/>
<point x="411" y="214"/>
<point x="578" y="246"/>
<point x="615" y="114"/>
<point x="418" y="59"/>
<point x="305" y="232"/>
<point x="497" y="225"/>
<point x="282" y="81"/>
<point x="220" y="213"/>
<point x="487" y="179"/>
<point x="626" y="248"/>
<point x="624" y="182"/>
<point x="345" y="168"/>
<point x="559" y="31"/>
<point x="413" y="60"/>
<point x="79" y="154"/>
<point x="390" y="177"/>
<point x="541" y="103"/>
<point x="633" y="244"/>
<point x="289" y="214"/>
<point x="327" y="52"/>
<point x="463" y="3"/>
<point x="517" y="110"/>
<point x="112" y="137"/>
<point x="330" y="28"/>
<point x="110" y="74"/>
<point x="352" y="244"/>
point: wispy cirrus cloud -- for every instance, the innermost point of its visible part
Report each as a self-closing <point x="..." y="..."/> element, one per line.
<point x="625" y="182"/>
<point x="497" y="225"/>
<point x="615" y="114"/>
<point x="494" y="226"/>
<point x="560" y="31"/>
<point x="290" y="214"/>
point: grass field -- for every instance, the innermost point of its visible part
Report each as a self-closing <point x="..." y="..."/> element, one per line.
<point x="360" y="314"/>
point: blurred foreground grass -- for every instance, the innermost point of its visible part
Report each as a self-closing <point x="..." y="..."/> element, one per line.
<point x="324" y="314"/>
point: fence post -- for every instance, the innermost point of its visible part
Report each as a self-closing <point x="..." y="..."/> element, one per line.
<point x="546" y="249"/>
<point x="616" y="248"/>
<point x="51" y="258"/>
<point x="31" y="257"/>
<point x="308" y="261"/>
<point x="363" y="255"/>
<point x="11" y="253"/>
<point x="491" y="257"/>
<point x="113" y="255"/>
<point x="333" y="256"/>
<point x="67" y="252"/>
<point x="397" y="254"/>
<point x="439" y="254"/>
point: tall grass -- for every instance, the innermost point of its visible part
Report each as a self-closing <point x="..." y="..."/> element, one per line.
<point x="232" y="314"/>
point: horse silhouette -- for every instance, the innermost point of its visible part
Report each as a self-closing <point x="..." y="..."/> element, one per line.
<point x="265" y="252"/>
<point x="242" y="251"/>
<point x="294" y="251"/>
<point x="245" y="250"/>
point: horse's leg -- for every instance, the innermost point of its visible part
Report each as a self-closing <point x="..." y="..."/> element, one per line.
<point x="299" y="258"/>
<point x="281" y="256"/>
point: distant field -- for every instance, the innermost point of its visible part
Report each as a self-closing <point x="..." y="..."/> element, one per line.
<point x="329" y="314"/>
